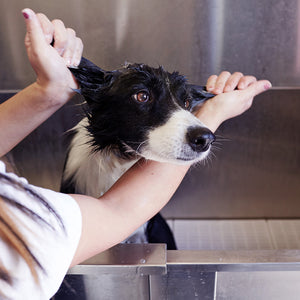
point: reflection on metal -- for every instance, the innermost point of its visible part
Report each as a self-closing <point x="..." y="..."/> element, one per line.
<point x="40" y="157"/>
<point x="236" y="261"/>
<point x="258" y="286"/>
<point x="216" y="34"/>
<point x="197" y="38"/>
<point x="182" y="283"/>
<point x="136" y="259"/>
<point x="190" y="274"/>
<point x="242" y="234"/>
<point x="222" y="235"/>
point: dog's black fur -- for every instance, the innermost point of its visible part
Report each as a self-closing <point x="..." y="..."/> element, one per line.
<point x="123" y="106"/>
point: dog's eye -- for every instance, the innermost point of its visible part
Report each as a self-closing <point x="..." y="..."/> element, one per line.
<point x="142" y="96"/>
<point x="187" y="103"/>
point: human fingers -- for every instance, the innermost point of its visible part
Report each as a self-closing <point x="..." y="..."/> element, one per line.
<point x="60" y="36"/>
<point x="241" y="100"/>
<point x="47" y="27"/>
<point x="70" y="46"/>
<point x="211" y="82"/>
<point x="73" y="51"/>
<point x="228" y="105"/>
<point x="34" y="38"/>
<point x="245" y="81"/>
<point x="77" y="52"/>
<point x="233" y="81"/>
<point x="255" y="88"/>
<point x="221" y="82"/>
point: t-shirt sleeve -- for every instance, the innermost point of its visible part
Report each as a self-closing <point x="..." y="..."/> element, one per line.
<point x="54" y="245"/>
<point x="58" y="255"/>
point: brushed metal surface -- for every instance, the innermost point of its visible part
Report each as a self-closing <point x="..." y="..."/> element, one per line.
<point x="127" y="259"/>
<point x="285" y="233"/>
<point x="125" y="255"/>
<point x="197" y="38"/>
<point x="258" y="286"/>
<point x="193" y="275"/>
<point x="272" y="234"/>
<point x="182" y="283"/>
<point x="190" y="274"/>
<point x="236" y="261"/>
<point x="222" y="235"/>
<point x="104" y="287"/>
<point x="40" y="156"/>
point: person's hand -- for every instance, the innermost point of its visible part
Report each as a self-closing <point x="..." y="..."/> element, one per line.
<point x="234" y="95"/>
<point x="50" y="63"/>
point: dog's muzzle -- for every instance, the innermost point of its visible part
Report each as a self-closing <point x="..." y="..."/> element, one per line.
<point x="199" y="138"/>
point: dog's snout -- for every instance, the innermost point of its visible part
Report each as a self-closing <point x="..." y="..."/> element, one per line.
<point x="200" y="138"/>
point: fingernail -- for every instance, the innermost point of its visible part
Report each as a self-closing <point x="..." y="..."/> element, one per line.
<point x="267" y="86"/>
<point x="68" y="62"/>
<point x="25" y="15"/>
<point x="76" y="63"/>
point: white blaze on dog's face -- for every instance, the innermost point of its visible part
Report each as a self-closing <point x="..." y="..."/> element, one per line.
<point x="171" y="142"/>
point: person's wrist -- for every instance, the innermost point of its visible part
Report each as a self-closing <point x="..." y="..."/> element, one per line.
<point x="209" y="116"/>
<point x="54" y="94"/>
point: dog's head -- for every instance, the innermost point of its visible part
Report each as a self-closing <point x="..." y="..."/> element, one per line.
<point x="139" y="110"/>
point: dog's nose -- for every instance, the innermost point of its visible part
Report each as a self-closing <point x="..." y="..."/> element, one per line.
<point x="200" y="138"/>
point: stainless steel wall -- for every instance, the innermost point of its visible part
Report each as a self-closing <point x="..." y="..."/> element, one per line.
<point x="256" y="171"/>
<point x="195" y="37"/>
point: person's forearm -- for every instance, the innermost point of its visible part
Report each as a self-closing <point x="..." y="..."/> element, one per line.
<point x="24" y="112"/>
<point x="137" y="196"/>
<point x="146" y="188"/>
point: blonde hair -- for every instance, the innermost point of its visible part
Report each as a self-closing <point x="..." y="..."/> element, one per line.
<point x="9" y="230"/>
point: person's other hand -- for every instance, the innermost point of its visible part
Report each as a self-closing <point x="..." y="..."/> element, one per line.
<point x="234" y="95"/>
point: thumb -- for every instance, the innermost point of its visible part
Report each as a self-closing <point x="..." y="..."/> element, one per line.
<point x="257" y="88"/>
<point x="35" y="36"/>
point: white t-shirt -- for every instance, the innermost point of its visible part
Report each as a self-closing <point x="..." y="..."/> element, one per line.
<point x="54" y="249"/>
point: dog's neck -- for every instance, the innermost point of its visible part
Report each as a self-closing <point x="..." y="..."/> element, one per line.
<point x="93" y="172"/>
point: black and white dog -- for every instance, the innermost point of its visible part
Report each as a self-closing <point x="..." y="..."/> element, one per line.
<point x="133" y="112"/>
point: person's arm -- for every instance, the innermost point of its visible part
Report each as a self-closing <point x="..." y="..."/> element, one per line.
<point x="147" y="187"/>
<point x="25" y="111"/>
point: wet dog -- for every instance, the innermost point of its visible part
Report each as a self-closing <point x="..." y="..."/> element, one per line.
<point x="136" y="111"/>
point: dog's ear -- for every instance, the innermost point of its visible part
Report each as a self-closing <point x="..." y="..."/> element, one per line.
<point x="92" y="79"/>
<point x="198" y="94"/>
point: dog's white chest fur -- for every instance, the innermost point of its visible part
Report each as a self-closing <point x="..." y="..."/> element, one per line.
<point x="93" y="172"/>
